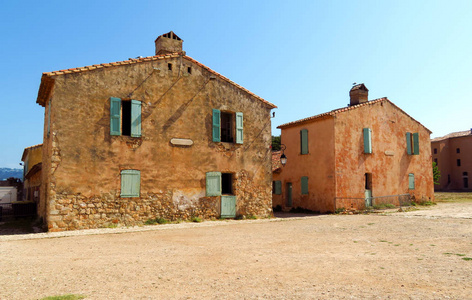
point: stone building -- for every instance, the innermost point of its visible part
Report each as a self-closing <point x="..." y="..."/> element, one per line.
<point x="367" y="153"/>
<point x="453" y="156"/>
<point x="153" y="137"/>
<point x="32" y="165"/>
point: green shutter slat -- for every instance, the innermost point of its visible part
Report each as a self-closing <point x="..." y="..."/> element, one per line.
<point x="278" y="187"/>
<point x="304" y="141"/>
<point x="304" y="182"/>
<point x="416" y="144"/>
<point x="239" y="128"/>
<point x="408" y="143"/>
<point x="216" y="125"/>
<point x="367" y="140"/>
<point x="130" y="183"/>
<point x="411" y="181"/>
<point x="115" y="119"/>
<point x="135" y="118"/>
<point x="213" y="184"/>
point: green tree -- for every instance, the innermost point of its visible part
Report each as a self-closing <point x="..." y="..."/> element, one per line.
<point x="436" y="173"/>
<point x="275" y="143"/>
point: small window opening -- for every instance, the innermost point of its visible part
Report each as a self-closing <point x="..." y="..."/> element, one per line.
<point x="169" y="66"/>
<point x="458" y="150"/>
<point x="126" y="118"/>
<point x="227" y="183"/>
<point x="458" y="162"/>
<point x="464" y="173"/>
<point x="436" y="161"/>
<point x="448" y="178"/>
<point x="435" y="151"/>
<point x="189" y="70"/>
<point x="227" y="127"/>
<point x="368" y="181"/>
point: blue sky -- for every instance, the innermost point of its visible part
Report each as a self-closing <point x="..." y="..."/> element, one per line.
<point x="302" y="56"/>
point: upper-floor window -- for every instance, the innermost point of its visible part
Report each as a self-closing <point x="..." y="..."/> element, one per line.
<point x="435" y="151"/>
<point x="304" y="141"/>
<point x="458" y="162"/>
<point x="227" y="126"/>
<point x="125" y="117"/>
<point x="436" y="161"/>
<point x="412" y="143"/>
<point x="458" y="150"/>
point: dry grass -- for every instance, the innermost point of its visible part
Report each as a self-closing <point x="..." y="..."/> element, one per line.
<point x="453" y="197"/>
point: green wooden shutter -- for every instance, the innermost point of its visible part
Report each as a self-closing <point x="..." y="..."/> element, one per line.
<point x="49" y="116"/>
<point x="228" y="206"/>
<point x="135" y="118"/>
<point x="278" y="187"/>
<point x="304" y="141"/>
<point x="408" y="143"/>
<point x="367" y="140"/>
<point x="411" y="181"/>
<point x="416" y="144"/>
<point x="239" y="128"/>
<point x="216" y="126"/>
<point x="115" y="119"/>
<point x="130" y="183"/>
<point x="213" y="184"/>
<point x="304" y="185"/>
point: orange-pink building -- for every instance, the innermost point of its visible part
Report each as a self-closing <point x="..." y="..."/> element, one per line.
<point x="368" y="153"/>
<point x="453" y="156"/>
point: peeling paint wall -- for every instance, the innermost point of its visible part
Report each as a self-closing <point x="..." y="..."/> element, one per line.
<point x="389" y="162"/>
<point x="82" y="161"/>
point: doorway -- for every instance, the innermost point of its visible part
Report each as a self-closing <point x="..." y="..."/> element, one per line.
<point x="368" y="189"/>
<point x="289" y="194"/>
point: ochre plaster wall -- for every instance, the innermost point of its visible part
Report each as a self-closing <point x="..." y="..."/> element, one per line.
<point x="389" y="162"/>
<point x="317" y="165"/>
<point x="447" y="157"/>
<point x="82" y="161"/>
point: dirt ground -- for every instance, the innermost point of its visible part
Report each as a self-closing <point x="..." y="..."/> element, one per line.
<point x="419" y="254"/>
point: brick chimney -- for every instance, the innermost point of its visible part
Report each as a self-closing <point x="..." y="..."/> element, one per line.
<point x="168" y="43"/>
<point x="358" y="94"/>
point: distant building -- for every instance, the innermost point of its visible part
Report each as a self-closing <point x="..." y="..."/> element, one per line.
<point x="453" y="155"/>
<point x="367" y="153"/>
<point x="32" y="163"/>
<point x="153" y="137"/>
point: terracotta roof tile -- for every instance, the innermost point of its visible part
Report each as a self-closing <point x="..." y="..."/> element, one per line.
<point x="453" y="135"/>
<point x="150" y="58"/>
<point x="276" y="164"/>
<point x="344" y="109"/>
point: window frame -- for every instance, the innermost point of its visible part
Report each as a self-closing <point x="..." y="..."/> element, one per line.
<point x="130" y="183"/>
<point x="116" y="117"/>
<point x="236" y="126"/>
<point x="304" y="149"/>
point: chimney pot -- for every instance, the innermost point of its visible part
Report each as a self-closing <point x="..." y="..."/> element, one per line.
<point x="168" y="43"/>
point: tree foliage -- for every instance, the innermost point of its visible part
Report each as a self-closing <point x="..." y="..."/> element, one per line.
<point x="436" y="173"/>
<point x="275" y="143"/>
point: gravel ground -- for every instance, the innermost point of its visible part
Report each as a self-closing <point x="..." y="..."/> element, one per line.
<point x="406" y="255"/>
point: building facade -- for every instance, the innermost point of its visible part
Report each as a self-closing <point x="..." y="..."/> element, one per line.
<point x="32" y="165"/>
<point x="154" y="137"/>
<point x="368" y="153"/>
<point x="452" y="154"/>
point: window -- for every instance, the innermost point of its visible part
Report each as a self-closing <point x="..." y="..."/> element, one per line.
<point x="130" y="183"/>
<point x="367" y="140"/>
<point x="189" y="70"/>
<point x="227" y="127"/>
<point x="227" y="183"/>
<point x="436" y="161"/>
<point x="277" y="187"/>
<point x="458" y="150"/>
<point x="169" y="66"/>
<point x="368" y="181"/>
<point x="435" y="151"/>
<point x="304" y="184"/>
<point x="411" y="181"/>
<point x="458" y="162"/>
<point x="413" y="143"/>
<point x="125" y="117"/>
<point x="304" y="141"/>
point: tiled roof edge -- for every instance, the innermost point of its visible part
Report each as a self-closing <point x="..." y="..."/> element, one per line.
<point x="30" y="148"/>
